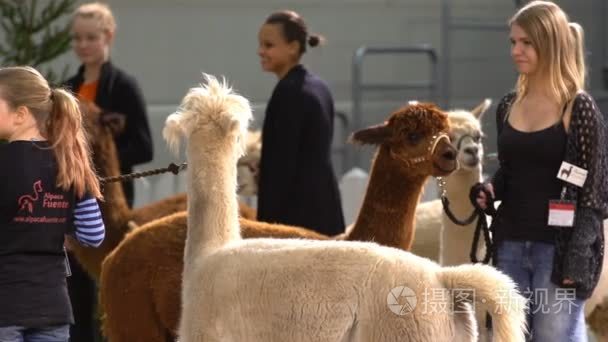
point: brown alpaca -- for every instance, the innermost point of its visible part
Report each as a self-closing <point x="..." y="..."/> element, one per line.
<point x="140" y="294"/>
<point x="114" y="208"/>
<point x="150" y="289"/>
<point x="115" y="211"/>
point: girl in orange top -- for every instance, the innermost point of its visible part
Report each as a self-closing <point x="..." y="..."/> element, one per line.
<point x="105" y="89"/>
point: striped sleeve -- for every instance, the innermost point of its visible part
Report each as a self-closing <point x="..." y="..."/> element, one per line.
<point x="90" y="229"/>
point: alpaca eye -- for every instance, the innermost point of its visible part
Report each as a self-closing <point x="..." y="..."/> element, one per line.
<point x="414" y="137"/>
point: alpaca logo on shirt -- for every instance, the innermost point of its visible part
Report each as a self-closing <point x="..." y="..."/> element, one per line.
<point x="566" y="172"/>
<point x="26" y="202"/>
<point x="572" y="174"/>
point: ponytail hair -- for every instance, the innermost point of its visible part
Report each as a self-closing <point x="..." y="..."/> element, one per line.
<point x="59" y="120"/>
<point x="68" y="139"/>
<point x="578" y="48"/>
<point x="294" y="28"/>
<point x="315" y="40"/>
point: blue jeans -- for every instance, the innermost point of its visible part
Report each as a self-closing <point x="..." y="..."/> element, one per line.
<point x="56" y="333"/>
<point x="555" y="314"/>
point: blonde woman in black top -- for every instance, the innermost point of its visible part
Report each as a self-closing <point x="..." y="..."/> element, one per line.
<point x="548" y="231"/>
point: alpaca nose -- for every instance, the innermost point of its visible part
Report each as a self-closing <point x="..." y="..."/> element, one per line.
<point x="449" y="154"/>
<point x="471" y="150"/>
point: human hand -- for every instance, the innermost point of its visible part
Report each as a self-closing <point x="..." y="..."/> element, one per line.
<point x="68" y="242"/>
<point x="482" y="199"/>
<point x="115" y="121"/>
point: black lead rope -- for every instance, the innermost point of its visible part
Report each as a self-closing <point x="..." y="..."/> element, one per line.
<point x="173" y="168"/>
<point x="482" y="223"/>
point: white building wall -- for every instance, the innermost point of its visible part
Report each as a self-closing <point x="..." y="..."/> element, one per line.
<point x="166" y="45"/>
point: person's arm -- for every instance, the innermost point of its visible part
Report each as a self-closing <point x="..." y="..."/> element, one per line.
<point x="138" y="148"/>
<point x="496" y="184"/>
<point x="588" y="130"/>
<point x="88" y="223"/>
<point x="498" y="179"/>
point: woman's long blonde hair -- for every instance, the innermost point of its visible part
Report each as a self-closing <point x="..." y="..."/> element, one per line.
<point x="59" y="119"/>
<point x="559" y="45"/>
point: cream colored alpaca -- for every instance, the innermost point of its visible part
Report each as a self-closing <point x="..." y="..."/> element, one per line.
<point x="595" y="312"/>
<point x="456" y="240"/>
<point x="296" y="290"/>
<point x="249" y="165"/>
<point x="598" y="319"/>
<point x="437" y="237"/>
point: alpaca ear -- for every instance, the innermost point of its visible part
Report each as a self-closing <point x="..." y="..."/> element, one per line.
<point x="231" y="124"/>
<point x="374" y="135"/>
<point x="254" y="139"/>
<point x="256" y="136"/>
<point x="173" y="132"/>
<point x="234" y="126"/>
<point x="481" y="108"/>
<point x="132" y="225"/>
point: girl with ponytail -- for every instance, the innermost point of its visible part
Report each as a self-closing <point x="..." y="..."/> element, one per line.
<point x="297" y="184"/>
<point x="548" y="230"/>
<point x="50" y="189"/>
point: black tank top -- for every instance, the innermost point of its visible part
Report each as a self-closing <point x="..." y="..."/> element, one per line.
<point x="532" y="160"/>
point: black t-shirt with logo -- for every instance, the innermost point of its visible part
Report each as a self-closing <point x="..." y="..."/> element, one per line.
<point x="34" y="217"/>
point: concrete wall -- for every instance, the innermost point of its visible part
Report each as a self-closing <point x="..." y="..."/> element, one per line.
<point x="167" y="44"/>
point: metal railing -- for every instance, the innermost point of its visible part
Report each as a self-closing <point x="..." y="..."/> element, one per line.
<point x="358" y="87"/>
<point x="448" y="26"/>
<point x="342" y="149"/>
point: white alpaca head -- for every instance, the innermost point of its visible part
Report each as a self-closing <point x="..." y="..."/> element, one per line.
<point x="466" y="134"/>
<point x="211" y="111"/>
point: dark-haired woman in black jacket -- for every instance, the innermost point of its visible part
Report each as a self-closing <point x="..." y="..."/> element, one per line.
<point x="297" y="181"/>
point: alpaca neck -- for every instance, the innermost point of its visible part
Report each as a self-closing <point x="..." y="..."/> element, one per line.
<point x="212" y="201"/>
<point x="458" y="186"/>
<point x="387" y="214"/>
<point x="114" y="208"/>
<point x="455" y="239"/>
